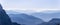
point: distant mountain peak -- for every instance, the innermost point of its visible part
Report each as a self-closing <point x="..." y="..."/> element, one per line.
<point x="55" y="19"/>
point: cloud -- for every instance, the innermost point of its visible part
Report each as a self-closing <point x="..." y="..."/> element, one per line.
<point x="32" y="9"/>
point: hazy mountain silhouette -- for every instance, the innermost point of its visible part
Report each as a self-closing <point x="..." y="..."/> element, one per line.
<point x="54" y="21"/>
<point x="25" y="19"/>
<point x="47" y="23"/>
<point x="4" y="18"/>
<point x="47" y="15"/>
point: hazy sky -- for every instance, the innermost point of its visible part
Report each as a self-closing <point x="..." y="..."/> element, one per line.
<point x="34" y="5"/>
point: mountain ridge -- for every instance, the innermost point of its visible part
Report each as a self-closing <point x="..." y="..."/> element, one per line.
<point x="25" y="19"/>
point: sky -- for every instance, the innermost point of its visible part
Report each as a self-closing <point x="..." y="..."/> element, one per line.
<point x="31" y="5"/>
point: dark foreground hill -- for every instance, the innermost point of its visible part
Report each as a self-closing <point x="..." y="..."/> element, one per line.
<point x="4" y="18"/>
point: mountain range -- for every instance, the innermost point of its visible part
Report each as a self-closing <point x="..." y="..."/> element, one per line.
<point x="47" y="15"/>
<point x="25" y="19"/>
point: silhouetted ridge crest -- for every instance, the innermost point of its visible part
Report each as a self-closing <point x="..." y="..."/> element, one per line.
<point x="25" y="19"/>
<point x="4" y="18"/>
<point x="55" y="20"/>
